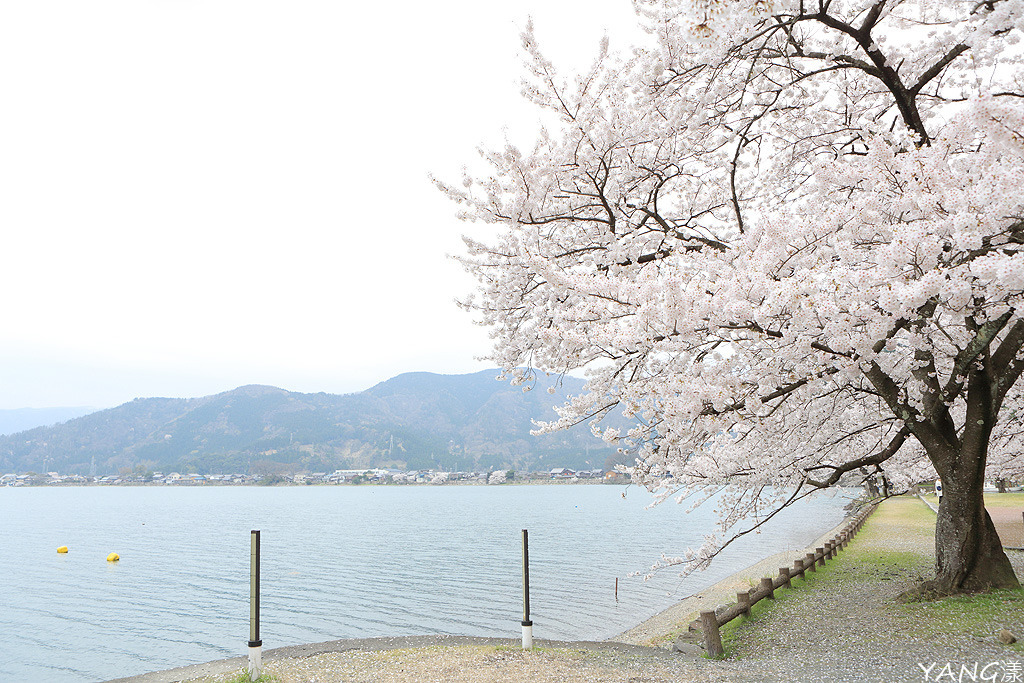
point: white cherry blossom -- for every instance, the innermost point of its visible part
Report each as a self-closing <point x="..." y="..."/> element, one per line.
<point x="786" y="243"/>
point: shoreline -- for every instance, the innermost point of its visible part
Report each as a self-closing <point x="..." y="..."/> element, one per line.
<point x="652" y="638"/>
<point x="538" y="481"/>
<point x="659" y="630"/>
<point x="221" y="667"/>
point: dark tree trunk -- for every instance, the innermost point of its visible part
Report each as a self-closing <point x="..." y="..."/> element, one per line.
<point x="969" y="556"/>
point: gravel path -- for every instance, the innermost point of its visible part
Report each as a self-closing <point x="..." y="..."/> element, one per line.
<point x="851" y="627"/>
<point x="481" y="664"/>
<point x="459" y="659"/>
<point x="662" y="629"/>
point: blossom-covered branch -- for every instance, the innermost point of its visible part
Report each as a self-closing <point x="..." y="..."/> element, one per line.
<point x="785" y="240"/>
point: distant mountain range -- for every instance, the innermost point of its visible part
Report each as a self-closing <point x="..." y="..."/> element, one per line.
<point x="416" y="420"/>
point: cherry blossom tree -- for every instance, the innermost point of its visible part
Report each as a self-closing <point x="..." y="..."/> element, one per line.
<point x="785" y="240"/>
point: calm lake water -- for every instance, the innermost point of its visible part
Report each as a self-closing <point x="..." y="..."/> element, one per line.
<point x="337" y="562"/>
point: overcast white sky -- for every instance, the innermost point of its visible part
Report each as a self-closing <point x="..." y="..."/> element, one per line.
<point x="201" y="194"/>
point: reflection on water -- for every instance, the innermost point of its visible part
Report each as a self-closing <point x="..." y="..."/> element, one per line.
<point x="337" y="562"/>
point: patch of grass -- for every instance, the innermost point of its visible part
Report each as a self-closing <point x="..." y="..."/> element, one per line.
<point x="732" y="633"/>
<point x="871" y="558"/>
<point x="902" y="515"/>
<point x="992" y="499"/>
<point x="981" y="615"/>
<point x="893" y="546"/>
<point x="866" y="564"/>
<point x="243" y="677"/>
<point x="736" y="633"/>
<point x="1004" y="500"/>
<point x="865" y="559"/>
<point x="852" y="563"/>
<point x="890" y="558"/>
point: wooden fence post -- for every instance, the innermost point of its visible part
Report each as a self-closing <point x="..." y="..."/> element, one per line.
<point x="712" y="636"/>
<point x="743" y="601"/>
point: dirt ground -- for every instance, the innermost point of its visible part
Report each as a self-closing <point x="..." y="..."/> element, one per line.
<point x="1007" y="513"/>
<point x="1009" y="525"/>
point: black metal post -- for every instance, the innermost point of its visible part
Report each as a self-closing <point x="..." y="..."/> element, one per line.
<point x="527" y="624"/>
<point x="254" y="590"/>
<point x="255" y="644"/>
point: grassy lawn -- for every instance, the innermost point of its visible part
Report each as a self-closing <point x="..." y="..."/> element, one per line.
<point x="903" y="516"/>
<point x="992" y="500"/>
<point x="1004" y="500"/>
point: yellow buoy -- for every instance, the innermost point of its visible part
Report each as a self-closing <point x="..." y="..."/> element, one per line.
<point x="62" y="549"/>
<point x="113" y="557"/>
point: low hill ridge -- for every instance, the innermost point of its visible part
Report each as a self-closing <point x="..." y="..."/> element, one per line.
<point x="416" y="420"/>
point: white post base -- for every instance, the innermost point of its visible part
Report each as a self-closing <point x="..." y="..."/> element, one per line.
<point x="255" y="663"/>
<point x="527" y="637"/>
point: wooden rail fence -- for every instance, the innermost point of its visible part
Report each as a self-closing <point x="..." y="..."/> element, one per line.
<point x="711" y="621"/>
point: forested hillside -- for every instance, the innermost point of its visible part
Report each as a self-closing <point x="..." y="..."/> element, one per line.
<point x="412" y="421"/>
